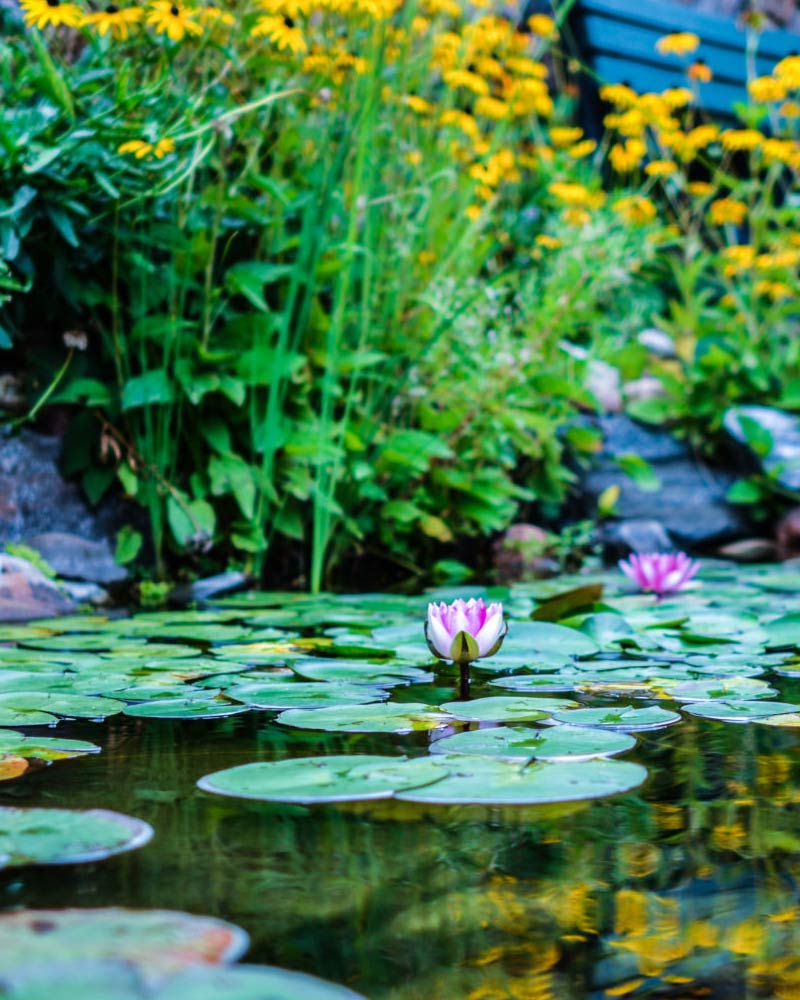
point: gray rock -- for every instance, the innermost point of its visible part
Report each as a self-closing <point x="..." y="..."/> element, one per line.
<point x="603" y="381"/>
<point x="689" y="503"/>
<point x="783" y="458"/>
<point x="637" y="536"/>
<point x="658" y="342"/>
<point x="86" y="593"/>
<point x="25" y="592"/>
<point x="77" y="558"/>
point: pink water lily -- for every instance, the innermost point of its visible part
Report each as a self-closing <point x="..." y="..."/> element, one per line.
<point x="660" y="573"/>
<point x="465" y="630"/>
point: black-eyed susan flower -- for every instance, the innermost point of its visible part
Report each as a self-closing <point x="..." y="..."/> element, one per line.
<point x="490" y="107"/>
<point x="117" y="20"/>
<point x="788" y="72"/>
<point x="680" y="43"/>
<point x="627" y="156"/>
<point x="542" y="25"/>
<point x="173" y="20"/>
<point x="619" y="94"/>
<point x="282" y="31"/>
<point x="635" y="209"/>
<point x="766" y="89"/>
<point x="661" y="168"/>
<point x="142" y="149"/>
<point x="565" y="135"/>
<point x="738" y="139"/>
<point x="40" y="13"/>
<point x="468" y="79"/>
<point x="700" y="72"/>
<point x="727" y="210"/>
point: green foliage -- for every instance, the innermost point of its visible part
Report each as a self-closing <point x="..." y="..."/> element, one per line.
<point x="32" y="556"/>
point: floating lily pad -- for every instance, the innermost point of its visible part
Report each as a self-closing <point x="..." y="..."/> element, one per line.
<point x="546" y="637"/>
<point x="739" y="711"/>
<point x="184" y="708"/>
<point x="489" y="781"/>
<point x="69" y="705"/>
<point x="43" y="748"/>
<point x="736" y="688"/>
<point x="66" y="836"/>
<point x="307" y="780"/>
<point x="154" y="941"/>
<point x="360" y="672"/>
<point x="11" y="767"/>
<point x="563" y="680"/>
<point x="19" y="717"/>
<point x="277" y="696"/>
<point x="789" y="720"/>
<point x="558" y="743"/>
<point x="506" y="709"/>
<point x="622" y="717"/>
<point x="380" y="718"/>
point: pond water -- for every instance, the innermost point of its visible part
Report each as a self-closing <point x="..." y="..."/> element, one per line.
<point x="686" y="885"/>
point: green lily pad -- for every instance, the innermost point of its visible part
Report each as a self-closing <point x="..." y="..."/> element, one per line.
<point x="24" y="717"/>
<point x="738" y="711"/>
<point x="557" y="743"/>
<point x="623" y="717"/>
<point x="153" y="941"/>
<point x="533" y="684"/>
<point x="490" y="781"/>
<point x="544" y="637"/>
<point x="506" y="709"/>
<point x="70" y="705"/>
<point x="360" y="672"/>
<point x="43" y="748"/>
<point x="736" y="688"/>
<point x="789" y="720"/>
<point x="66" y="836"/>
<point x="276" y="696"/>
<point x="76" y="642"/>
<point x="184" y="708"/>
<point x="380" y="718"/>
<point x="306" y="780"/>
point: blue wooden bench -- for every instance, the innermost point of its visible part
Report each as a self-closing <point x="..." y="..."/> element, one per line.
<point x="616" y="41"/>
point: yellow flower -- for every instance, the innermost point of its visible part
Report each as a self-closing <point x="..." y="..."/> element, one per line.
<point x="473" y="212"/>
<point x="635" y="209"/>
<point x="530" y="96"/>
<point x="702" y="136"/>
<point x="549" y="242"/>
<point x="700" y="189"/>
<point x="450" y="8"/>
<point x="788" y="72"/>
<point x="562" y="136"/>
<point x="461" y="120"/>
<point x="680" y="43"/>
<point x="661" y="168"/>
<point x="417" y="104"/>
<point x="172" y="20"/>
<point x="141" y="148"/>
<point x="574" y="216"/>
<point x="213" y="15"/>
<point x="581" y="149"/>
<point x="677" y="97"/>
<point x="281" y="31"/>
<point x="117" y="20"/>
<point x="40" y="13"/>
<point x="414" y="157"/>
<point x="542" y="25"/>
<point x="725" y="210"/>
<point x="466" y="78"/>
<point x="735" y="139"/>
<point x="700" y="72"/>
<point x="790" y="109"/>
<point x="523" y="66"/>
<point x="569" y="193"/>
<point x="766" y="89"/>
<point x="619" y="94"/>
<point x="780" y="151"/>
<point x="626" y="157"/>
<point x="491" y="107"/>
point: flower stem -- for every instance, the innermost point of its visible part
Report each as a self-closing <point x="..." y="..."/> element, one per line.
<point x="463" y="683"/>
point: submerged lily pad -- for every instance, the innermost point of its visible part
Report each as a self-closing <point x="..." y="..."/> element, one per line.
<point x="306" y="780"/>
<point x="380" y="718"/>
<point x="622" y="717"/>
<point x="506" y="709"/>
<point x="490" y="781"/>
<point x="154" y="941"/>
<point x="66" y="836"/>
<point x="516" y="743"/>
<point x="184" y="708"/>
<point x="739" y="711"/>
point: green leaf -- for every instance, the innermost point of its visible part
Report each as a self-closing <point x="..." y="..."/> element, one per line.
<point x="745" y="491"/>
<point x="152" y="387"/>
<point x="189" y="520"/>
<point x="129" y="545"/>
<point x="231" y="474"/>
<point x="640" y="471"/>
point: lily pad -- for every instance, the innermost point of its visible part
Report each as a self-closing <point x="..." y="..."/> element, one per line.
<point x="724" y="688"/>
<point x="277" y="696"/>
<point x="184" y="708"/>
<point x="43" y="748"/>
<point x="154" y="941"/>
<point x="623" y="717"/>
<point x="11" y="767"/>
<point x="517" y="743"/>
<point x="739" y="711"/>
<point x="307" y="780"/>
<point x="69" y="705"/>
<point x="385" y="674"/>
<point x="66" y="836"/>
<point x="506" y="709"/>
<point x="380" y="718"/>
<point x="489" y="781"/>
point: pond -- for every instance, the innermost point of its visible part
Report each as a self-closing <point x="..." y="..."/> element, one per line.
<point x="620" y="820"/>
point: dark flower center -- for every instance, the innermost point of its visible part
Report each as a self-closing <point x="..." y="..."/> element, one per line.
<point x="112" y="9"/>
<point x="53" y="3"/>
<point x="288" y="22"/>
<point x="175" y="10"/>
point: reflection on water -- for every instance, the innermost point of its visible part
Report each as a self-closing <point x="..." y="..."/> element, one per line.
<point x="684" y="888"/>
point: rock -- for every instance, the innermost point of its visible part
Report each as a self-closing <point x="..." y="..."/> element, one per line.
<point x="689" y="502"/>
<point x="25" y="592"/>
<point x="524" y="552"/>
<point x="657" y="342"/>
<point x="603" y="382"/>
<point x="623" y="537"/>
<point x="82" y="592"/>
<point x="645" y="388"/>
<point x="203" y="590"/>
<point x="77" y="558"/>
<point x="787" y="535"/>
<point x="776" y="437"/>
<point x="751" y="550"/>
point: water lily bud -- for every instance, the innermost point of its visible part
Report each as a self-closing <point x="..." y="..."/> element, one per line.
<point x="465" y="630"/>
